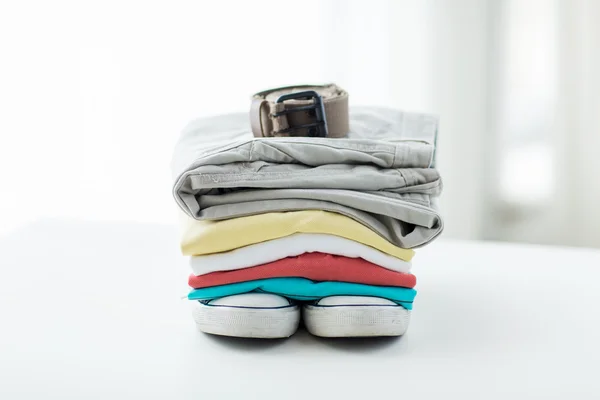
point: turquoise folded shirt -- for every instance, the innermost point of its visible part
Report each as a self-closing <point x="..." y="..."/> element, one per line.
<point x="305" y="289"/>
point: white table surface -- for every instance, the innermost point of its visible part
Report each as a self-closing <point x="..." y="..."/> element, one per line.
<point x="93" y="311"/>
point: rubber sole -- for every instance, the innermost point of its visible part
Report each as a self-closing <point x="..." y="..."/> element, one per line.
<point x="246" y="322"/>
<point x="356" y="320"/>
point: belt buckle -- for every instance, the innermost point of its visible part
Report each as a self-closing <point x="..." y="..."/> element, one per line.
<point x="316" y="129"/>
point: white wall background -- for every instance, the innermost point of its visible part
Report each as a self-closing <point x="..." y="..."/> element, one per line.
<point x="93" y="95"/>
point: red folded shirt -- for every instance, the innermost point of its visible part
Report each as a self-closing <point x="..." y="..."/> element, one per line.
<point x="313" y="266"/>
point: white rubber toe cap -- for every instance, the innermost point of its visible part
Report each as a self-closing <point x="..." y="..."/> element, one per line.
<point x="250" y="315"/>
<point x="355" y="316"/>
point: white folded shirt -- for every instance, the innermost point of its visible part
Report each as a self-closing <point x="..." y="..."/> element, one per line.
<point x="291" y="246"/>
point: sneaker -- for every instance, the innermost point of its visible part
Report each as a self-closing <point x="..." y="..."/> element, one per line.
<point x="249" y="315"/>
<point x="355" y="316"/>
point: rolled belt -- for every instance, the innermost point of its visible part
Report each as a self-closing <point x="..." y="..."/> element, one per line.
<point x="316" y="111"/>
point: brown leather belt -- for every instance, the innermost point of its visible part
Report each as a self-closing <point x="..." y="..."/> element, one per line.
<point x="317" y="111"/>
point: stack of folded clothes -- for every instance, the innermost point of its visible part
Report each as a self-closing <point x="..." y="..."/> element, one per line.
<point x="324" y="227"/>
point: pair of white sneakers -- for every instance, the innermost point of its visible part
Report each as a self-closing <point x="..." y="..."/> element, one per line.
<point x="268" y="316"/>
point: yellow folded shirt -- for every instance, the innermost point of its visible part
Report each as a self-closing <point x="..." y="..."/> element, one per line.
<point x="206" y="237"/>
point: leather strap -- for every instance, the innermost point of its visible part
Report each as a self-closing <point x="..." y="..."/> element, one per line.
<point x="268" y="118"/>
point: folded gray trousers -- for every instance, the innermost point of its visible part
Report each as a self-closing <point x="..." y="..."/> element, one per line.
<point x="381" y="175"/>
